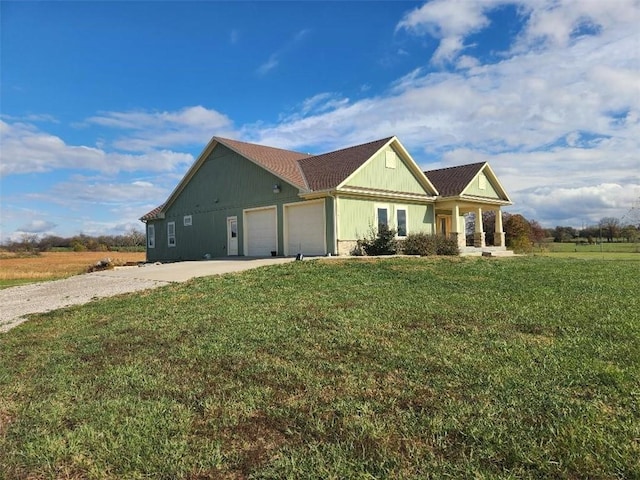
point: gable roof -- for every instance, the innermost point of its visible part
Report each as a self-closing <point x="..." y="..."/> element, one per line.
<point x="326" y="171"/>
<point x="282" y="163"/>
<point x="452" y="181"/>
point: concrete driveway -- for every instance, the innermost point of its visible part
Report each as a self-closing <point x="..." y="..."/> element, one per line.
<point x="183" y="271"/>
<point x="18" y="302"/>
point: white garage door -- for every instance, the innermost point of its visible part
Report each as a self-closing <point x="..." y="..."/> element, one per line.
<point x="305" y="229"/>
<point x="260" y="229"/>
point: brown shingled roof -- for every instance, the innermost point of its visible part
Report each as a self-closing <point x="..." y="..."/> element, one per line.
<point x="283" y="163"/>
<point x="152" y="214"/>
<point x="452" y="181"/>
<point x="329" y="170"/>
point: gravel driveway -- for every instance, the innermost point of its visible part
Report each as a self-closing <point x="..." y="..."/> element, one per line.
<point x="18" y="302"/>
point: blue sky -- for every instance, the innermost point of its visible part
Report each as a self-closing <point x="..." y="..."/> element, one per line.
<point x="105" y="105"/>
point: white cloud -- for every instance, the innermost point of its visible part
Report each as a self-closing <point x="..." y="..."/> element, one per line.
<point x="579" y="205"/>
<point x="274" y="59"/>
<point x="449" y="21"/>
<point x="555" y="23"/>
<point x="547" y="23"/>
<point x="32" y="117"/>
<point x="26" y="149"/>
<point x="77" y="192"/>
<point x="154" y="130"/>
<point x="269" y="65"/>
<point x="37" y="226"/>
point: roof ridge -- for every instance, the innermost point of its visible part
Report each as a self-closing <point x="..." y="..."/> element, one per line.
<point x="224" y="139"/>
<point x="456" y="166"/>
<point x="386" y="139"/>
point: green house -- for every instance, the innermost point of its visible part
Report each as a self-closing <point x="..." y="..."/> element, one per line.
<point x="252" y="200"/>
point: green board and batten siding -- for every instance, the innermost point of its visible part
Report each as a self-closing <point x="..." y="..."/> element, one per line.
<point x="357" y="216"/>
<point x="210" y="198"/>
<point x="376" y="174"/>
<point x="474" y="189"/>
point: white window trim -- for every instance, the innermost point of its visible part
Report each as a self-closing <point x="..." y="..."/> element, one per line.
<point x="151" y="236"/>
<point x="406" y="220"/>
<point x="171" y="236"/>
<point x="376" y="206"/>
<point x="187" y="220"/>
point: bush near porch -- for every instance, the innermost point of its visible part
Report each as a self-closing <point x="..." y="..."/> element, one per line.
<point x="385" y="242"/>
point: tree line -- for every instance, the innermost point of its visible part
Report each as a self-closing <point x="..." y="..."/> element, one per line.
<point x="34" y="243"/>
<point x="521" y="234"/>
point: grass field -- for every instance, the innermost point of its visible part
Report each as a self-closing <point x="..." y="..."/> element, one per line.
<point x="17" y="269"/>
<point x="605" y="251"/>
<point x="398" y="368"/>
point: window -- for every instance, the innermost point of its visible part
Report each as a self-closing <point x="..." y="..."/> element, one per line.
<point x="401" y="221"/>
<point x="382" y="216"/>
<point x="171" y="234"/>
<point x="390" y="159"/>
<point x="151" y="236"/>
<point x="187" y="221"/>
<point x="482" y="182"/>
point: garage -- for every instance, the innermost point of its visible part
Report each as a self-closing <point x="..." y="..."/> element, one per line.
<point x="260" y="230"/>
<point x="305" y="228"/>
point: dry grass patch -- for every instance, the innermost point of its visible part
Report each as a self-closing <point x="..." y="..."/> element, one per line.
<point x="54" y="265"/>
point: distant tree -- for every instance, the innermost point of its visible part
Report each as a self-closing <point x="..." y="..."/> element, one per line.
<point x="630" y="233"/>
<point x="28" y="242"/>
<point x="590" y="232"/>
<point x="135" y="238"/>
<point x="610" y="227"/>
<point x="564" y="234"/>
<point x="538" y="234"/>
<point x="48" y="242"/>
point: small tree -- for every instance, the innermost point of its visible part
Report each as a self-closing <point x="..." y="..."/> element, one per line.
<point x="382" y="243"/>
<point x="518" y="233"/>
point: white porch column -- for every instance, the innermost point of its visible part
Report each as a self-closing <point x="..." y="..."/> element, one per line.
<point x="479" y="236"/>
<point x="455" y="227"/>
<point x="498" y="235"/>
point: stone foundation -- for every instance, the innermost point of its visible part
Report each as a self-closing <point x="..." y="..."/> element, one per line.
<point x="498" y="239"/>
<point x="460" y="238"/>
<point x="479" y="240"/>
<point x="345" y="247"/>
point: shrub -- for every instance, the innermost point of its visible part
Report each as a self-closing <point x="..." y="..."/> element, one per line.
<point x="382" y="243"/>
<point x="425" y="244"/>
<point x="419" y="244"/>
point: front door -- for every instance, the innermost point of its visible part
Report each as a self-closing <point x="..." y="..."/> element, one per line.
<point x="232" y="235"/>
<point x="443" y="225"/>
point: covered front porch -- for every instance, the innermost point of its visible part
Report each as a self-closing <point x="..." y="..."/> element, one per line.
<point x="451" y="221"/>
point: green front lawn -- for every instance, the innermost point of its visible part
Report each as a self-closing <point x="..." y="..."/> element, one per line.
<point x="395" y="368"/>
